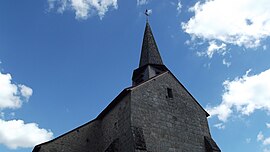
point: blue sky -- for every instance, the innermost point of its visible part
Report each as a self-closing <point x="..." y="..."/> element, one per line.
<point x="63" y="61"/>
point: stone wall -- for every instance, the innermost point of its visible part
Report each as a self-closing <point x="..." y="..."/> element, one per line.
<point x="116" y="129"/>
<point x="79" y="139"/>
<point x="162" y="123"/>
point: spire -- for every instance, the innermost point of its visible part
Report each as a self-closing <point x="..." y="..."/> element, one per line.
<point x="149" y="52"/>
<point x="150" y="61"/>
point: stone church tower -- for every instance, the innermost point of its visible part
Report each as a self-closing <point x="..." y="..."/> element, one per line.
<point x="155" y="114"/>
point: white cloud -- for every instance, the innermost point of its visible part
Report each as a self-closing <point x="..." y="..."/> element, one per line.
<point x="228" y="64"/>
<point x="62" y="7"/>
<point x="222" y="111"/>
<point x="242" y="22"/>
<point x="243" y="96"/>
<point x="264" y="47"/>
<point x="8" y="93"/>
<point x="215" y="48"/>
<point x="83" y="8"/>
<point x="179" y="7"/>
<point x="26" y="91"/>
<point x="260" y="136"/>
<point x="265" y="141"/>
<point x="11" y="95"/>
<point x="268" y="125"/>
<point x="142" y="2"/>
<point x="16" y="133"/>
<point x="220" y="126"/>
<point x="51" y="4"/>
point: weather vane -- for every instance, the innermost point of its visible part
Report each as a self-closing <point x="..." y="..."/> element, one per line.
<point x="147" y="13"/>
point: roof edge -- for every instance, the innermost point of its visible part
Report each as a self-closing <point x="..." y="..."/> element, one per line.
<point x="113" y="103"/>
<point x="207" y="114"/>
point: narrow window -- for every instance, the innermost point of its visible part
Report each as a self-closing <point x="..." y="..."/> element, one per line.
<point x="169" y="93"/>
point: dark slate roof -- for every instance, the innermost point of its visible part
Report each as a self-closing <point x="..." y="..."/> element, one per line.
<point x="149" y="53"/>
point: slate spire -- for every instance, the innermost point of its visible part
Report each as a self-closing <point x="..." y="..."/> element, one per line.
<point x="150" y="62"/>
<point x="149" y="52"/>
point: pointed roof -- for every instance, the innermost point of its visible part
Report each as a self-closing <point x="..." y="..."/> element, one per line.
<point x="149" y="52"/>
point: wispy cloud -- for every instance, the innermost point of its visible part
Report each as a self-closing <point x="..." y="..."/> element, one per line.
<point x="243" y="96"/>
<point x="83" y="8"/>
<point x="179" y="7"/>
<point x="215" y="48"/>
<point x="225" y="62"/>
<point x="260" y="136"/>
<point x="241" y="23"/>
<point x="142" y="2"/>
<point x="264" y="140"/>
<point x="219" y="126"/>
<point x="25" y="91"/>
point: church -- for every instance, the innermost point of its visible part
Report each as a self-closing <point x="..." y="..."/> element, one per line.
<point x="155" y="114"/>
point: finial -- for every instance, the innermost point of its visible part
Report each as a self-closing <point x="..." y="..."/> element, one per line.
<point x="147" y="13"/>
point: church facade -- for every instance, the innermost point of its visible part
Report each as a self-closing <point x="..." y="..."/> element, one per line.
<point x="155" y="114"/>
